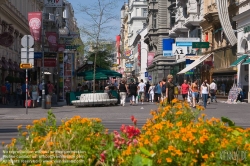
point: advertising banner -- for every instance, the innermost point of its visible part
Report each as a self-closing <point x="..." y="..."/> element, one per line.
<point x="150" y="58"/>
<point x="52" y="40"/>
<point x="49" y="62"/>
<point x="61" y="47"/>
<point x="139" y="54"/>
<point x="61" y="75"/>
<point x="118" y="39"/>
<point x="167" y="47"/>
<point x="35" y="24"/>
<point x="53" y="3"/>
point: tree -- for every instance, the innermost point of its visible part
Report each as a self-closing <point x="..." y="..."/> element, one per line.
<point x="103" y="59"/>
<point x="99" y="16"/>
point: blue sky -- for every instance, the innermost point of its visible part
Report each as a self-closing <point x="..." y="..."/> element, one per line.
<point x="80" y="20"/>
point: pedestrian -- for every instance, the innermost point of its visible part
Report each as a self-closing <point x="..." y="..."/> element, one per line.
<point x="170" y="89"/>
<point x="132" y="92"/>
<point x="122" y="88"/>
<point x="184" y="90"/>
<point x="194" y="89"/>
<point x="18" y="94"/>
<point x="151" y="93"/>
<point x="7" y="85"/>
<point x="141" y="90"/>
<point x="204" y="93"/>
<point x="209" y="95"/>
<point x="50" y="88"/>
<point x="213" y="89"/>
<point x="163" y="88"/>
<point x="158" y="92"/>
<point x="147" y="88"/>
<point x="34" y="94"/>
<point x="3" y="93"/>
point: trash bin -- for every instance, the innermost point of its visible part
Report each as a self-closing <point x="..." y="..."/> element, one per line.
<point x="48" y="102"/>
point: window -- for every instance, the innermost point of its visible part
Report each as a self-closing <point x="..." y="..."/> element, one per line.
<point x="154" y="21"/>
<point x="144" y="12"/>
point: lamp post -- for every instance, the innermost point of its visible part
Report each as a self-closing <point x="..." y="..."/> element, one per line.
<point x="43" y="83"/>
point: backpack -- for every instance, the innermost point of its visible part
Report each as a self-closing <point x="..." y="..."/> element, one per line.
<point x="155" y="88"/>
<point x="164" y="88"/>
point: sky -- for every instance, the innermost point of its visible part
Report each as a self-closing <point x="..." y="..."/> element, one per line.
<point x="79" y="16"/>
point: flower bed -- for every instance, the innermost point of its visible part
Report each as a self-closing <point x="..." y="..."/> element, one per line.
<point x="175" y="135"/>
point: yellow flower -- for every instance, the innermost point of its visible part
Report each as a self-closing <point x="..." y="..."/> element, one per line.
<point x="184" y="139"/>
<point x="179" y="112"/>
<point x="35" y="121"/>
<point x="169" y="160"/>
<point x="171" y="147"/>
<point x="159" y="161"/>
<point x="174" y="101"/>
<point x="156" y="138"/>
<point x="28" y="127"/>
<point x="178" y="152"/>
<point x="146" y="142"/>
<point x="50" y="143"/>
<point x="24" y="133"/>
<point x="43" y="119"/>
<point x="19" y="127"/>
<point x="205" y="156"/>
<point x="179" y="124"/>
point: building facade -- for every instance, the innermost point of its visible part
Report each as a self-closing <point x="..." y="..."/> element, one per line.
<point x="158" y="25"/>
<point x="137" y="15"/>
<point x="13" y="26"/>
<point x="243" y="49"/>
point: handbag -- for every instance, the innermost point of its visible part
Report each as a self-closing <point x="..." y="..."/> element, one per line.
<point x="176" y="90"/>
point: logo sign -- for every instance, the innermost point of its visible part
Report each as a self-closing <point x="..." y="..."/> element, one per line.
<point x="53" y="3"/>
<point x="49" y="62"/>
<point x="61" y="47"/>
<point x="35" y="22"/>
<point x="146" y="74"/>
<point x="52" y="39"/>
<point x="167" y="47"/>
<point x="150" y="78"/>
<point x="38" y="55"/>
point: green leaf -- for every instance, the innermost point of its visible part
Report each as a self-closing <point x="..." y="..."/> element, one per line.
<point x="145" y="151"/>
<point x="228" y="121"/>
<point x="137" y="161"/>
<point x="147" y="162"/>
<point x="236" y="133"/>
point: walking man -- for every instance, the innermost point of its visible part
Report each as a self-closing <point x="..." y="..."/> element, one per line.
<point x="184" y="90"/>
<point x="213" y="89"/>
<point x="141" y="90"/>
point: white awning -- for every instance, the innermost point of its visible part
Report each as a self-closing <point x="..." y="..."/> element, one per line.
<point x="195" y="63"/>
<point x="222" y="6"/>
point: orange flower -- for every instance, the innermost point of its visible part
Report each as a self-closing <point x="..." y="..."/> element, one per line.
<point x="35" y="121"/>
<point x="169" y="160"/>
<point x="24" y="133"/>
<point x="179" y="124"/>
<point x="28" y="127"/>
<point x="19" y="127"/>
<point x="205" y="156"/>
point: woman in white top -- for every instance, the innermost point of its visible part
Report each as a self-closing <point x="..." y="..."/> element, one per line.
<point x="204" y="93"/>
<point x="34" y="94"/>
<point x="151" y="92"/>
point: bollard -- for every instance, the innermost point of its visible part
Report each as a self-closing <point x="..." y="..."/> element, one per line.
<point x="48" y="102"/>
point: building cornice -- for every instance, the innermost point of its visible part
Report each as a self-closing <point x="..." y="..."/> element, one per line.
<point x="241" y="16"/>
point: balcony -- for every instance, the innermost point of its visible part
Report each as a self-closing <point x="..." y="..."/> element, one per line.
<point x="192" y="20"/>
<point x="179" y="27"/>
<point x="172" y="33"/>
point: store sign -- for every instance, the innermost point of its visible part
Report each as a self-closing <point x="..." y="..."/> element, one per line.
<point x="187" y="40"/>
<point x="49" y="62"/>
<point x="192" y="57"/>
<point x="53" y="3"/>
<point x="167" y="47"/>
<point x="246" y="29"/>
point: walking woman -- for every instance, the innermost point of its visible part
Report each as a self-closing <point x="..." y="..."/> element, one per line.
<point x="170" y="88"/>
<point x="204" y="93"/>
<point x="122" y="91"/>
<point x="194" y="89"/>
<point x="151" y="93"/>
<point x="132" y="91"/>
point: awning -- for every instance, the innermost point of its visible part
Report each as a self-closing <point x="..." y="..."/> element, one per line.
<point x="240" y="60"/>
<point x="195" y="63"/>
<point x="217" y="30"/>
<point x="247" y="62"/>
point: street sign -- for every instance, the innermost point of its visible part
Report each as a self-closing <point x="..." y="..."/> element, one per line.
<point x="25" y="61"/>
<point x="146" y="74"/>
<point x="24" y="53"/>
<point x="200" y="44"/>
<point x="149" y="78"/>
<point x="72" y="47"/>
<point x="27" y="39"/>
<point x="26" y="66"/>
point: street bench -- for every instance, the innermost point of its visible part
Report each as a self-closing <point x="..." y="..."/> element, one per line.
<point x="93" y="99"/>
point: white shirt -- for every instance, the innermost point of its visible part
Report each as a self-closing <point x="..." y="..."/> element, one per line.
<point x="151" y="89"/>
<point x="204" y="89"/>
<point x="141" y="86"/>
<point x="213" y="86"/>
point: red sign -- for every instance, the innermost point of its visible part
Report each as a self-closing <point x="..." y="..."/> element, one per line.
<point x="61" y="47"/>
<point x="139" y="54"/>
<point x="49" y="62"/>
<point x="150" y="58"/>
<point x="6" y="39"/>
<point x="118" y="39"/>
<point x="35" y="24"/>
<point x="52" y="39"/>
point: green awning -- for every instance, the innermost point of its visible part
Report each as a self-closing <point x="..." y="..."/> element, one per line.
<point x="247" y="62"/>
<point x="238" y="61"/>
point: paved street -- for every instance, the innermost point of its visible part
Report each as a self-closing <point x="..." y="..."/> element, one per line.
<point x="112" y="117"/>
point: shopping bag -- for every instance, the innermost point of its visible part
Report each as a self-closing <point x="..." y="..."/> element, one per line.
<point x="29" y="103"/>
